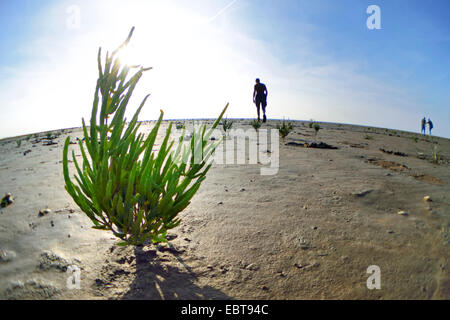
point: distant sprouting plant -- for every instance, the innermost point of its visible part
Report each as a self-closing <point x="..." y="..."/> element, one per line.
<point x="316" y="127"/>
<point x="310" y="124"/>
<point x="6" y="200"/>
<point x="28" y="137"/>
<point x="255" y="124"/>
<point x="367" y="137"/>
<point x="416" y="139"/>
<point x="122" y="185"/>
<point x="48" y="135"/>
<point x="179" y="125"/>
<point x="434" y="154"/>
<point x="19" y="142"/>
<point x="227" y="124"/>
<point x="284" y="129"/>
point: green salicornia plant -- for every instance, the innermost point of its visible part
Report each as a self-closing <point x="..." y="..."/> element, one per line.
<point x="434" y="154"/>
<point x="255" y="124"/>
<point x="284" y="129"/>
<point x="19" y="143"/>
<point x="227" y="124"/>
<point x="121" y="184"/>
<point x="316" y="127"/>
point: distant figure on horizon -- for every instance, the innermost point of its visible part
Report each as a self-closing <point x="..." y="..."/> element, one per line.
<point x="430" y="125"/>
<point x="260" y="98"/>
<point x="424" y="123"/>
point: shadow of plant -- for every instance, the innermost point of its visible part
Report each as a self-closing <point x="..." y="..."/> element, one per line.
<point x="156" y="280"/>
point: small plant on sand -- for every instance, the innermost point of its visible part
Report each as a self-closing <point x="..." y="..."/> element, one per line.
<point x="226" y="124"/>
<point x="19" y="143"/>
<point x="367" y="137"/>
<point x="255" y="124"/>
<point x="316" y="127"/>
<point x="310" y="124"/>
<point x="122" y="185"/>
<point x="48" y="135"/>
<point x="28" y="137"/>
<point x="179" y="126"/>
<point x="416" y="139"/>
<point x="6" y="200"/>
<point x="284" y="129"/>
<point x="435" y="154"/>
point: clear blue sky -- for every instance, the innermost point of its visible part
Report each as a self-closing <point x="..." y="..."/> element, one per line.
<point x="318" y="59"/>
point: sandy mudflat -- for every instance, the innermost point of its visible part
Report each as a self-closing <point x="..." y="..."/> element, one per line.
<point x="308" y="232"/>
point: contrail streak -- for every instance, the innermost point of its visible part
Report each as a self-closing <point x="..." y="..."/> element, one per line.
<point x="221" y="11"/>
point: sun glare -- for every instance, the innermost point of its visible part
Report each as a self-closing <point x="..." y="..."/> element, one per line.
<point x="188" y="56"/>
<point x="129" y="56"/>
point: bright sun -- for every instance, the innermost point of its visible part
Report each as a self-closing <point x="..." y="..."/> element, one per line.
<point x="188" y="55"/>
<point x="129" y="56"/>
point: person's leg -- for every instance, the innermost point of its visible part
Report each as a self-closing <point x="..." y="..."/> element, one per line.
<point x="257" y="102"/>
<point x="264" y="104"/>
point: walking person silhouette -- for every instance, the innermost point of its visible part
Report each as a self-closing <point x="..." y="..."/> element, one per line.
<point x="260" y="98"/>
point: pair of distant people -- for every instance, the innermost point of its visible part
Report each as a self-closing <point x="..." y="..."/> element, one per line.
<point x="424" y="124"/>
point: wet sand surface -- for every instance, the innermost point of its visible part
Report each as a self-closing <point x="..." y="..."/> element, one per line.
<point x="308" y="232"/>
